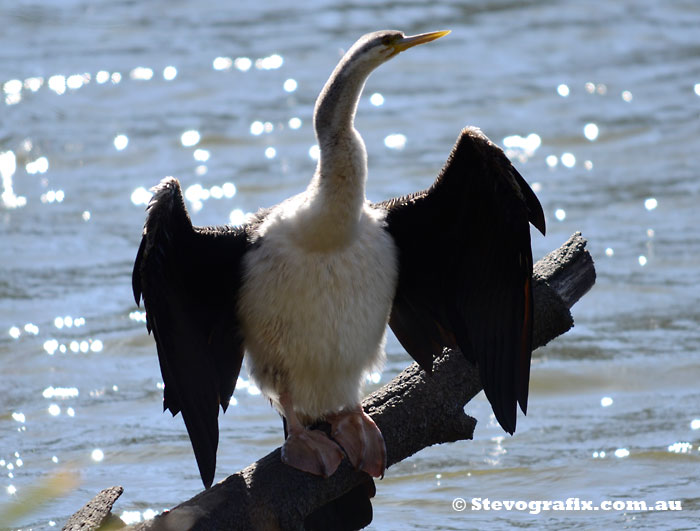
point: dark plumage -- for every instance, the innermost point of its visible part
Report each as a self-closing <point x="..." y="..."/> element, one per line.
<point x="464" y="260"/>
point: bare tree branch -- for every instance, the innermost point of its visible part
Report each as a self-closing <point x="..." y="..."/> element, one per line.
<point x="413" y="411"/>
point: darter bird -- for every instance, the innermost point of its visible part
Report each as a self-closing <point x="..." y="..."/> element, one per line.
<point x="307" y="287"/>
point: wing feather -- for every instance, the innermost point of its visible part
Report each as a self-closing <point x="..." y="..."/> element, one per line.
<point x="189" y="279"/>
<point x="465" y="268"/>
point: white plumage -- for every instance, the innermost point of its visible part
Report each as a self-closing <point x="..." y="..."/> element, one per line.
<point x="314" y="320"/>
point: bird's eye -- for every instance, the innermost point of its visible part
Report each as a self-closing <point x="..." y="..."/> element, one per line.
<point x="387" y="40"/>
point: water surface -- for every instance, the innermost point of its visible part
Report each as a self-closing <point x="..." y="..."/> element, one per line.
<point x="599" y="104"/>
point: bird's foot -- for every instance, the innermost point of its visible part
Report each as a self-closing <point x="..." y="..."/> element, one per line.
<point x="361" y="439"/>
<point x="311" y="451"/>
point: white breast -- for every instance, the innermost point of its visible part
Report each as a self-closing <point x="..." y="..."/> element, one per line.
<point x="314" y="321"/>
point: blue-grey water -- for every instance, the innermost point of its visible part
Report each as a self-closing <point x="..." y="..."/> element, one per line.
<point x="599" y="105"/>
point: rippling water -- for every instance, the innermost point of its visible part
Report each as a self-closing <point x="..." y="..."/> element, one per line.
<point x="599" y="105"/>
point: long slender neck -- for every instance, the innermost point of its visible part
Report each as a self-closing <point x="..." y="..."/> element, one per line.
<point x="336" y="105"/>
<point x="337" y="191"/>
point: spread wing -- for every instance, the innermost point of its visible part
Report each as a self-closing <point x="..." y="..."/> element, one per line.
<point x="465" y="269"/>
<point x="189" y="279"/>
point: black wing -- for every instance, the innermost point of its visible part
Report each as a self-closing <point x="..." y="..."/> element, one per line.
<point x="189" y="279"/>
<point x="465" y="269"/>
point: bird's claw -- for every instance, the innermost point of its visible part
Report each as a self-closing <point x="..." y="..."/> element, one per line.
<point x="361" y="439"/>
<point x="312" y="451"/>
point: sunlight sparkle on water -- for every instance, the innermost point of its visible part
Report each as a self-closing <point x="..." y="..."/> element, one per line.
<point x="314" y="152"/>
<point x="294" y="123"/>
<point x="53" y="196"/>
<point x="590" y="131"/>
<point x="202" y="155"/>
<point x="551" y="160"/>
<point x="138" y="316"/>
<point x="376" y="99"/>
<point x="521" y="147"/>
<point x="216" y="192"/>
<point x="54" y="410"/>
<point x="15" y="332"/>
<point x="568" y="160"/>
<point x="606" y="401"/>
<point x="169" y="73"/>
<point x="527" y="144"/>
<point x="374" y="377"/>
<point x="11" y="489"/>
<point x="696" y="88"/>
<point x="51" y="346"/>
<point x="19" y="417"/>
<point x="141" y="196"/>
<point x="680" y="448"/>
<point x="237" y="217"/>
<point x="40" y="165"/>
<point x="102" y="77"/>
<point x="8" y="166"/>
<point x="68" y="322"/>
<point x="120" y="142"/>
<point x="609" y="251"/>
<point x="695" y="424"/>
<point x="60" y="392"/>
<point x="290" y="85"/>
<point x="116" y="77"/>
<point x="563" y="90"/>
<point x="622" y="452"/>
<point x="33" y="83"/>
<point x="57" y="83"/>
<point x="642" y="260"/>
<point x="651" y="203"/>
<point x="395" y="141"/>
<point x="196" y="193"/>
<point x="97" y="455"/>
<point x="560" y="214"/>
<point x="13" y="86"/>
<point x="257" y="128"/>
<point x="243" y="63"/>
<point x="75" y="81"/>
<point x="627" y="96"/>
<point x="141" y="73"/>
<point x="222" y="63"/>
<point x="270" y="153"/>
<point x="130" y="517"/>
<point x="229" y="190"/>
<point x="272" y="62"/>
<point x="190" y="138"/>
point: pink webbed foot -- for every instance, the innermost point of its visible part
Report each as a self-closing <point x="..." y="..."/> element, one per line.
<point x="311" y="451"/>
<point x="361" y="439"/>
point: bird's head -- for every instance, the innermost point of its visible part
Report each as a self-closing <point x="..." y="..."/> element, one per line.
<point x="378" y="47"/>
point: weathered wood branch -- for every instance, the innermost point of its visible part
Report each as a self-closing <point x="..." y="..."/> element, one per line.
<point x="413" y="411"/>
<point x="96" y="513"/>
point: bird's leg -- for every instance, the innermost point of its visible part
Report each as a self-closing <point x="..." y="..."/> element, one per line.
<point x="361" y="439"/>
<point x="308" y="450"/>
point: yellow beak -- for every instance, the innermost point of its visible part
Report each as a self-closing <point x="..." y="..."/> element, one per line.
<point x="408" y="42"/>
